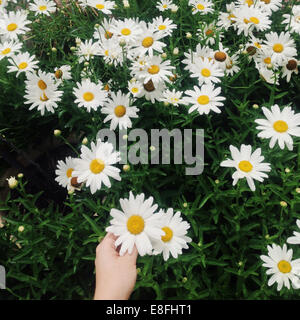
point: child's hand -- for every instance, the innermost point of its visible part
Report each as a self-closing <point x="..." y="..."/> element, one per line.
<point x="115" y="275"/>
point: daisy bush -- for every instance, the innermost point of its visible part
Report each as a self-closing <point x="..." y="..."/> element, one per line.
<point x="71" y="68"/>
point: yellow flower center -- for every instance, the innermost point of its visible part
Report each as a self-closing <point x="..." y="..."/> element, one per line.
<point x="246" y="21"/>
<point x="147" y="42"/>
<point x="120" y="111"/>
<point x="135" y="90"/>
<point x="6" y="51"/>
<point x="284" y="266"/>
<point x="42" y="8"/>
<point x="108" y="34"/>
<point x="69" y="172"/>
<point x="204" y="99"/>
<point x="205" y="72"/>
<point x="42" y="85"/>
<point x="12" y="27"/>
<point x="267" y="60"/>
<point x="278" y="47"/>
<point x="58" y="74"/>
<point x="209" y="32"/>
<point x="88" y="96"/>
<point x="97" y="166"/>
<point x="230" y="17"/>
<point x="44" y="97"/>
<point x="100" y="6"/>
<point x="280" y="126"/>
<point x="162" y="27"/>
<point x="254" y="20"/>
<point x="257" y="45"/>
<point x="220" y="56"/>
<point x="165" y="6"/>
<point x="249" y="2"/>
<point x="154" y="69"/>
<point x="200" y="6"/>
<point x="266" y="1"/>
<point x="23" y="65"/>
<point x="106" y="52"/>
<point x="245" y="166"/>
<point x="135" y="224"/>
<point x="168" y="234"/>
<point x="125" y="32"/>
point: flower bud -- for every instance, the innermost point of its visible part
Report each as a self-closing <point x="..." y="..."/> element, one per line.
<point x="283" y="204"/>
<point x="12" y="182"/>
<point x="57" y="132"/>
<point x="126" y="167"/>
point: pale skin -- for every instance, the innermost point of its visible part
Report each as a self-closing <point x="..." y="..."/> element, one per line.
<point x="115" y="275"/>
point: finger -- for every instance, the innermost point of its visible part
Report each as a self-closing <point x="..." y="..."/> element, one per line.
<point x="132" y="256"/>
<point x="107" y="245"/>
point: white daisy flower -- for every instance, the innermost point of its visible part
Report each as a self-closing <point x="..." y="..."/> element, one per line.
<point x="206" y="71"/>
<point x="164" y="26"/>
<point x="201" y="6"/>
<point x="174" y="239"/>
<point x="13" y="24"/>
<point x="210" y="33"/>
<point x="282" y="47"/>
<point x="263" y="58"/>
<point x="62" y="73"/>
<point x="148" y="42"/>
<point x="41" y="92"/>
<point x="173" y="97"/>
<point x="225" y="19"/>
<point x="164" y="5"/>
<point x="232" y="65"/>
<point x="111" y="52"/>
<point x="102" y="5"/>
<point x="64" y="171"/>
<point x="135" y="88"/>
<point x="153" y="92"/>
<point x="280" y="264"/>
<point x="247" y="19"/>
<point x="296" y="238"/>
<point x="95" y="166"/>
<point x="193" y="56"/>
<point x="3" y="4"/>
<point x="118" y="111"/>
<point x="290" y="68"/>
<point x="204" y="99"/>
<point x="89" y="95"/>
<point x="9" y="48"/>
<point x="292" y="20"/>
<point x="156" y="70"/>
<point x="269" y="76"/>
<point x="137" y="224"/>
<point x="279" y="126"/>
<point x="22" y="62"/>
<point x="87" y="50"/>
<point x="128" y="30"/>
<point x="270" y="5"/>
<point x="104" y="30"/>
<point x="248" y="165"/>
<point x="43" y="7"/>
